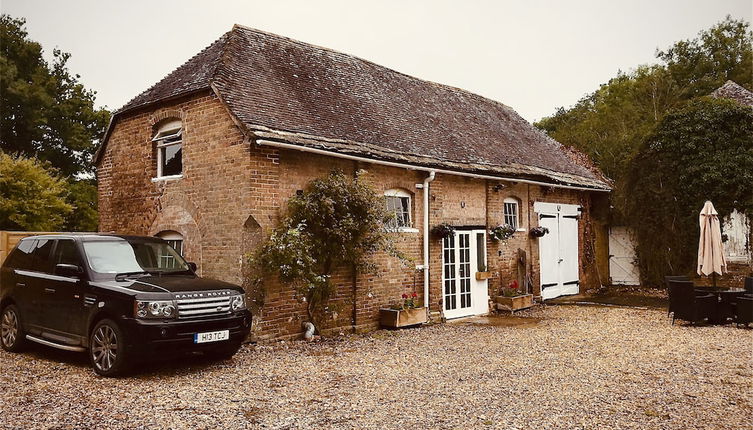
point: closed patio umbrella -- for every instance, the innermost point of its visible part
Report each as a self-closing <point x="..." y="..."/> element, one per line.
<point x="710" y="254"/>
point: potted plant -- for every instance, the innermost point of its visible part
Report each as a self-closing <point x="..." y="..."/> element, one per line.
<point x="511" y="299"/>
<point x="483" y="273"/>
<point x="406" y="314"/>
<point x="539" y="231"/>
<point x="442" y="230"/>
<point x="501" y="232"/>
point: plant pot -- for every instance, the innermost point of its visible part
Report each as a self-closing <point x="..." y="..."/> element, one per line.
<point x="396" y="318"/>
<point x="480" y="276"/>
<point x="512" y="304"/>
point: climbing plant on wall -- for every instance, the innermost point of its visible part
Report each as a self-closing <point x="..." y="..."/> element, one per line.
<point x="703" y="151"/>
<point x="336" y="222"/>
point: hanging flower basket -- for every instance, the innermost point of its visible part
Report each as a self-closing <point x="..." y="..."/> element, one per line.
<point x="442" y="230"/>
<point x="539" y="231"/>
<point x="501" y="232"/>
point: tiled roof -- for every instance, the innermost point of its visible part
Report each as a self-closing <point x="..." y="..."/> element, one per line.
<point x="313" y="96"/>
<point x="731" y="90"/>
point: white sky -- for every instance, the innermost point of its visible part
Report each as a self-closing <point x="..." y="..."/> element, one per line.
<point x="531" y="55"/>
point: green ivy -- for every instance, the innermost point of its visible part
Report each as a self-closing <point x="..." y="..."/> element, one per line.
<point x="702" y="151"/>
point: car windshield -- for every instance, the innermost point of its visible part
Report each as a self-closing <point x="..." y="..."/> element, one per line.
<point x="121" y="256"/>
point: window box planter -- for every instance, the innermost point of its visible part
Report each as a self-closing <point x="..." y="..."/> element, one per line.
<point x="480" y="276"/>
<point x="397" y="318"/>
<point x="515" y="303"/>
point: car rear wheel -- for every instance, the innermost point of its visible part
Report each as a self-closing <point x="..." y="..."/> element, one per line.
<point x="12" y="336"/>
<point x="107" y="349"/>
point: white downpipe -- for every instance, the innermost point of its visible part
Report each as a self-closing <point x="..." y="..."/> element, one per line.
<point x="265" y="142"/>
<point x="426" y="237"/>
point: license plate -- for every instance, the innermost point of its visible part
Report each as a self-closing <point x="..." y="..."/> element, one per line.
<point x="211" y="336"/>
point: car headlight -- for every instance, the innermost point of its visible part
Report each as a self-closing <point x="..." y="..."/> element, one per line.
<point x="237" y="303"/>
<point x="154" y="309"/>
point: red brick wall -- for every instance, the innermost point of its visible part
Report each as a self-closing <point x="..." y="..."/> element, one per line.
<point x="232" y="194"/>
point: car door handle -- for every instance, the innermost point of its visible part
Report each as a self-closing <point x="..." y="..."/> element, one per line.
<point x="49" y="290"/>
<point x="20" y="284"/>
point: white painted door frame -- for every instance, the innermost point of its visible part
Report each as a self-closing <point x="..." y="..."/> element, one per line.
<point x="558" y="250"/>
<point x="462" y="294"/>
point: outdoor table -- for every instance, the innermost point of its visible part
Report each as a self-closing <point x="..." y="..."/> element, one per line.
<point x="725" y="299"/>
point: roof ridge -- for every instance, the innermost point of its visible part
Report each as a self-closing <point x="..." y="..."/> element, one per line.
<point x="345" y="54"/>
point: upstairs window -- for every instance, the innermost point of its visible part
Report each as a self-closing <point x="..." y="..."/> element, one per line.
<point x="169" y="141"/>
<point x="399" y="206"/>
<point x="512" y="212"/>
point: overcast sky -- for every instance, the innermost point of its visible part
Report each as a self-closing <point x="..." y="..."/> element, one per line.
<point x="531" y="55"/>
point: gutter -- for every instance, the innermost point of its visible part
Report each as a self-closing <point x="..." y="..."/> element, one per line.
<point x="272" y="143"/>
<point x="426" y="237"/>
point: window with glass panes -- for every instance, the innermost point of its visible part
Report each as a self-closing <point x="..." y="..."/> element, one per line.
<point x="175" y="240"/>
<point x="169" y="140"/>
<point x="511" y="208"/>
<point x="398" y="205"/>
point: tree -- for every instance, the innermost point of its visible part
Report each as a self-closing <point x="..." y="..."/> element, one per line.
<point x="336" y="222"/>
<point x="45" y="112"/>
<point x="611" y="123"/>
<point x="82" y="196"/>
<point x="32" y="197"/>
<point x="702" y="151"/>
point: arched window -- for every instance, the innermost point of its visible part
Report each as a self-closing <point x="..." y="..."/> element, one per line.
<point x="512" y="212"/>
<point x="399" y="206"/>
<point x="169" y="140"/>
<point x="174" y="239"/>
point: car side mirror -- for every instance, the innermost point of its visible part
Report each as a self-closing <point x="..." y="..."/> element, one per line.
<point x="68" y="270"/>
<point x="192" y="266"/>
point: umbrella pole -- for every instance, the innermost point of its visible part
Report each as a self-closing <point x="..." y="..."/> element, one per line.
<point x="713" y="279"/>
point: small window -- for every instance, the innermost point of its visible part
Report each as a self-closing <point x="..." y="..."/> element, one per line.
<point x="512" y="212"/>
<point x="20" y="258"/>
<point x="175" y="240"/>
<point x="399" y="206"/>
<point x="169" y="140"/>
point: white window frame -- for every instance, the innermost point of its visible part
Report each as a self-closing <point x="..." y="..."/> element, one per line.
<point x="509" y="201"/>
<point x="172" y="238"/>
<point x="169" y="134"/>
<point x="396" y="192"/>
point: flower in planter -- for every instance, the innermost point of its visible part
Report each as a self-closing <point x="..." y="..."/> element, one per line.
<point x="443" y="230"/>
<point x="511" y="290"/>
<point x="409" y="301"/>
<point x="502" y="232"/>
<point x="539" y="231"/>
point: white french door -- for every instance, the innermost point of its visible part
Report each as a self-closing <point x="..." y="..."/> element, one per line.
<point x="462" y="255"/>
<point x="558" y="250"/>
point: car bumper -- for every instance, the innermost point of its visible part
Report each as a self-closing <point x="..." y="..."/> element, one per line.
<point x="160" y="337"/>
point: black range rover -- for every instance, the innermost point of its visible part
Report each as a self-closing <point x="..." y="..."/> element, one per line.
<point x="121" y="298"/>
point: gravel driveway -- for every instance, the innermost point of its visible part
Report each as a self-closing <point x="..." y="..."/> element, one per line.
<point x="563" y="367"/>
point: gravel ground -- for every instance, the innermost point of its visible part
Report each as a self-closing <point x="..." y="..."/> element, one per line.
<point x="575" y="367"/>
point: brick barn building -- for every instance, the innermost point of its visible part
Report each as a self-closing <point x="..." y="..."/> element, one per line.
<point x="208" y="156"/>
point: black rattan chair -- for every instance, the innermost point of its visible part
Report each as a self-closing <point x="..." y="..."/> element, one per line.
<point x="666" y="284"/>
<point x="748" y="285"/>
<point x="686" y="305"/>
<point x="744" y="310"/>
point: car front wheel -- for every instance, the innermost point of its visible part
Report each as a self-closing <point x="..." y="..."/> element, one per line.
<point x="11" y="333"/>
<point x="107" y="350"/>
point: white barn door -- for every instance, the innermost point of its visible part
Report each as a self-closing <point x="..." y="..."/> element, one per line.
<point x="622" y="267"/>
<point x="558" y="250"/>
<point x="737" y="228"/>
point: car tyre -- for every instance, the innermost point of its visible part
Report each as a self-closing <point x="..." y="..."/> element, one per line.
<point x="12" y="337"/>
<point x="224" y="352"/>
<point x="107" y="349"/>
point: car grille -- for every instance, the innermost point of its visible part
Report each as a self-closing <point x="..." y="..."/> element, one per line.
<point x="195" y="305"/>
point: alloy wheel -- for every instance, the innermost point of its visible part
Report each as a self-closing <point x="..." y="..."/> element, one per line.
<point x="9" y="328"/>
<point x="105" y="348"/>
